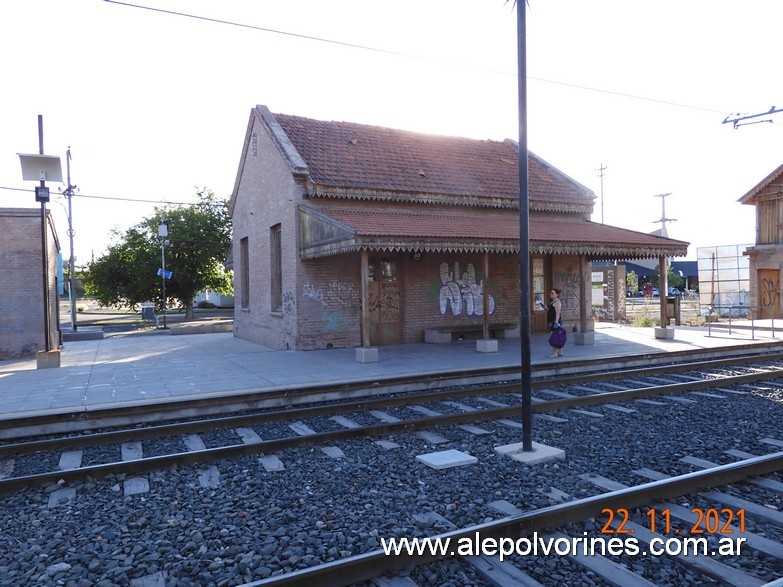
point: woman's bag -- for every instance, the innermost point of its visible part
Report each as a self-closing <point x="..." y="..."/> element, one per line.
<point x="558" y="338"/>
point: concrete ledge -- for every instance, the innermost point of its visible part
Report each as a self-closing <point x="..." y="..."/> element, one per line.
<point x="487" y="345"/>
<point x="435" y="336"/>
<point x="83" y="333"/>
<point x="664" y="333"/>
<point x="541" y="453"/>
<point x="507" y="332"/>
<point x="584" y="338"/>
<point x="366" y="355"/>
<point x="201" y="327"/>
<point x="48" y="359"/>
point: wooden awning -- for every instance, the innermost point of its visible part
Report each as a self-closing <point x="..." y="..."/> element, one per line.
<point x="336" y="231"/>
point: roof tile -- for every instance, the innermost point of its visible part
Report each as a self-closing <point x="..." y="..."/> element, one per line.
<point x="363" y="157"/>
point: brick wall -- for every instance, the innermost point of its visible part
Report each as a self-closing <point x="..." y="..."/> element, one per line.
<point x="432" y="285"/>
<point x="21" y="291"/>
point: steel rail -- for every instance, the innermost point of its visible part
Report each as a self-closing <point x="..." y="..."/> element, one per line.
<point x="363" y="567"/>
<point x="127" y="435"/>
<point x="268" y="446"/>
<point x="367" y="404"/>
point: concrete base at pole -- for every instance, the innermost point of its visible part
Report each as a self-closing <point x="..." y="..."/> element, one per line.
<point x="584" y="338"/>
<point x="366" y="355"/>
<point x="484" y="345"/>
<point x="663" y="332"/>
<point x="541" y="453"/>
<point x="48" y="359"/>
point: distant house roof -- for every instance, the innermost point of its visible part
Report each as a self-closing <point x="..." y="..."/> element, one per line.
<point x="769" y="186"/>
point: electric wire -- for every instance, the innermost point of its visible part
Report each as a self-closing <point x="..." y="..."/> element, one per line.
<point x="411" y="56"/>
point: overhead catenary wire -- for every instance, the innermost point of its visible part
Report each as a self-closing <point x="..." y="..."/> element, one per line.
<point x="112" y="198"/>
<point x="409" y="55"/>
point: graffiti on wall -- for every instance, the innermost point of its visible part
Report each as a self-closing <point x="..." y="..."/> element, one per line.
<point x="288" y="303"/>
<point x="315" y="294"/>
<point x="568" y="283"/>
<point x="461" y="292"/>
<point x="342" y="294"/>
<point x="769" y="293"/>
<point x="333" y="321"/>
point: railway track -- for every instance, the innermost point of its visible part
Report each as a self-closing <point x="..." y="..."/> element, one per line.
<point x="57" y="422"/>
<point x="283" y="481"/>
<point x="637" y="520"/>
<point x="498" y="402"/>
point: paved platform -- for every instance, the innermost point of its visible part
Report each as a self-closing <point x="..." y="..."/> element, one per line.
<point x="130" y="370"/>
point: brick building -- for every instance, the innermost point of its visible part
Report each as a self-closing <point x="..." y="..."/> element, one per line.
<point x="766" y="256"/>
<point x="352" y="235"/>
<point x="21" y="283"/>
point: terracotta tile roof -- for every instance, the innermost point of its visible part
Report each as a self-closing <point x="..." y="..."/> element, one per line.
<point x="458" y="231"/>
<point x="356" y="157"/>
<point x="764" y="187"/>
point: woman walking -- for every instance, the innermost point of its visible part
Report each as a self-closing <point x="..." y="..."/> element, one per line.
<point x="558" y="338"/>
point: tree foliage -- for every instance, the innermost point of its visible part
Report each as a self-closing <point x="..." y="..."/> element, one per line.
<point x="673" y="279"/>
<point x="199" y="237"/>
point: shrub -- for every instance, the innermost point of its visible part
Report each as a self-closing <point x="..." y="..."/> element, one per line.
<point x="205" y="304"/>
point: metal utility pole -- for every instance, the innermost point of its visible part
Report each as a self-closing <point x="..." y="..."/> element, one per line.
<point x="42" y="168"/>
<point x="663" y="219"/>
<point x="42" y="195"/>
<point x="72" y="265"/>
<point x="524" y="236"/>
<point x="601" y="173"/>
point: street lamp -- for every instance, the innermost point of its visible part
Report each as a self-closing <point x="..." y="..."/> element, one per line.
<point x="163" y="233"/>
<point x="42" y="168"/>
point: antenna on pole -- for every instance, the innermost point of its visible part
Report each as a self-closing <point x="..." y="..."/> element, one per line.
<point x="663" y="219"/>
<point x="737" y="120"/>
<point x="601" y="172"/>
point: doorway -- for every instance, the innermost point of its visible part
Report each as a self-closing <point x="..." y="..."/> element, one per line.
<point x="769" y="293"/>
<point x="383" y="293"/>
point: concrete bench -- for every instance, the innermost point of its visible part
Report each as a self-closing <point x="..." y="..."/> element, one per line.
<point x="444" y="334"/>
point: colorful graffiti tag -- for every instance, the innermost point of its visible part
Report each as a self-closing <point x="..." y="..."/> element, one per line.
<point x="461" y="293"/>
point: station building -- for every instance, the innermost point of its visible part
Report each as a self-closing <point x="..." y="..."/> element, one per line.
<point x="766" y="256"/>
<point x="22" y="309"/>
<point x="349" y="235"/>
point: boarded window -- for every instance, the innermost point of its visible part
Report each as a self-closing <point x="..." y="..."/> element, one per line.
<point x="276" y="269"/>
<point x="244" y="270"/>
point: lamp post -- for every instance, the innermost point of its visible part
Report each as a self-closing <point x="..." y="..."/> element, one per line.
<point x="41" y="168"/>
<point x="163" y="233"/>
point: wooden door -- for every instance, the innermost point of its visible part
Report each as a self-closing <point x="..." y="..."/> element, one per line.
<point x="769" y="293"/>
<point x="539" y="294"/>
<point x="383" y="289"/>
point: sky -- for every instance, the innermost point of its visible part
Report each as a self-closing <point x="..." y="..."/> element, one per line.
<point x="154" y="106"/>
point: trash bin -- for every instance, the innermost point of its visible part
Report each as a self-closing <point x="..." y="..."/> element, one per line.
<point x="148" y="311"/>
<point x="673" y="309"/>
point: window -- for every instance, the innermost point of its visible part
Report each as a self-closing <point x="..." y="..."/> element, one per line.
<point x="276" y="269"/>
<point x="388" y="269"/>
<point x="244" y="272"/>
<point x="539" y="288"/>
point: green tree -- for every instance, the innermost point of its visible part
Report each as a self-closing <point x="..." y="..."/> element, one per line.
<point x="672" y="278"/>
<point x="632" y="283"/>
<point x="199" y="237"/>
